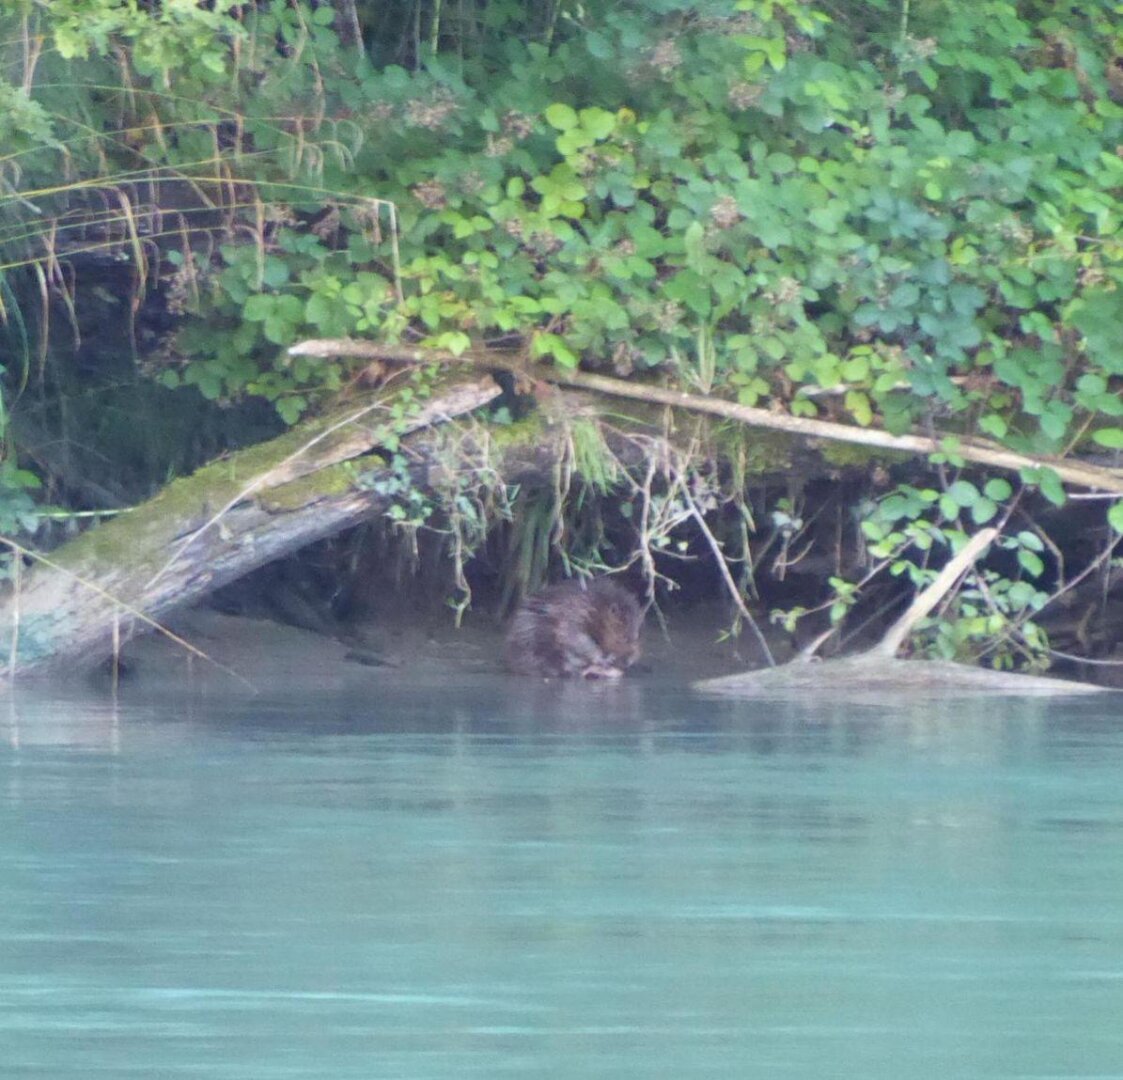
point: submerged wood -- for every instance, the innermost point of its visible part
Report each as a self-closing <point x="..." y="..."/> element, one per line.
<point x="879" y="680"/>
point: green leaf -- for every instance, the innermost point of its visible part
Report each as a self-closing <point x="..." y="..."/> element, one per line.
<point x="1053" y="489"/>
<point x="259" y="307"/>
<point x="964" y="493"/>
<point x="998" y="489"/>
<point x="693" y="241"/>
<point x="1031" y="563"/>
<point x="1096" y="315"/>
<point x="599" y="123"/>
<point x="690" y="288"/>
<point x="1115" y="516"/>
<point x="561" y="116"/>
<point x="982" y="511"/>
<point x="276" y="272"/>
<point x="1048" y="482"/>
<point x="994" y="425"/>
<point x="1112" y="438"/>
<point x="552" y="345"/>
<point x="455" y="342"/>
<point x="858" y="405"/>
<point x="290" y="408"/>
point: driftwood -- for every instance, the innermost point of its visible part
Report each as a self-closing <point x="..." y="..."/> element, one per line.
<point x="879" y="677"/>
<point x="211" y="528"/>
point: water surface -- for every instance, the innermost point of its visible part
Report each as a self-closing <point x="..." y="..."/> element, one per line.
<point x="494" y="878"/>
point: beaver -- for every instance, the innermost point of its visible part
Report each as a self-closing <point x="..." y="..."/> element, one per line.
<point x="590" y="630"/>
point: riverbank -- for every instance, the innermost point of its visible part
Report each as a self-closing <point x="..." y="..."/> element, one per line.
<point x="244" y="651"/>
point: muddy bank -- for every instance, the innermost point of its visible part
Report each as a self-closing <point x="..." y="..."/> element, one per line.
<point x="418" y="651"/>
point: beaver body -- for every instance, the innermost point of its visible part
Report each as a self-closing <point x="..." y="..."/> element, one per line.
<point x="586" y="630"/>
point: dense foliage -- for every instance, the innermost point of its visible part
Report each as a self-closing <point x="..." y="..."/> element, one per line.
<point x="900" y="215"/>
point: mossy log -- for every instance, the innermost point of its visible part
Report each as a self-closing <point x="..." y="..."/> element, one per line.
<point x="208" y="529"/>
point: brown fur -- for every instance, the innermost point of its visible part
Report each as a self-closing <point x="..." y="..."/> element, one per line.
<point x="573" y="629"/>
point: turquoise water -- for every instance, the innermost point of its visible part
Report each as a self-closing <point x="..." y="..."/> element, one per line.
<point x="494" y="879"/>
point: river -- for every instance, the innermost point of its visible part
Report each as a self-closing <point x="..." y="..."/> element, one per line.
<point x="492" y="877"/>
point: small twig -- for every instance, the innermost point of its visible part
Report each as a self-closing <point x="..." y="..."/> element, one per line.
<point x="17" y="589"/>
<point x="1094" y="565"/>
<point x="1085" y="659"/>
<point x="115" y="674"/>
<point x="730" y="584"/>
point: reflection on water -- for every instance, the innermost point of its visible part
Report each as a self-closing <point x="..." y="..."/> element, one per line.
<point x="506" y="878"/>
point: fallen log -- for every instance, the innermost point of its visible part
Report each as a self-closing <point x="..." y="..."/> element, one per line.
<point x="208" y="529"/>
<point x="969" y="448"/>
